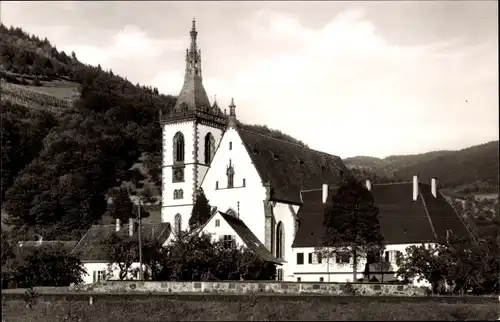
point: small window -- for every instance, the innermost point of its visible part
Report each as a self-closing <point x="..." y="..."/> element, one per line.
<point x="230" y="145"/>
<point x="391" y="256"/>
<point x="244" y="183"/>
<point x="216" y="184"/>
<point x="321" y="279"/>
<point x="298" y="279"/>
<point x="300" y="258"/>
<point x="279" y="272"/>
<point x="228" y="241"/>
<point x="217" y="222"/>
<point x="314" y="258"/>
<point x="342" y="258"/>
<point x="101" y="276"/>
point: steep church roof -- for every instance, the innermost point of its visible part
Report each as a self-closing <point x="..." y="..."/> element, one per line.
<point x="290" y="167"/>
<point x="402" y="220"/>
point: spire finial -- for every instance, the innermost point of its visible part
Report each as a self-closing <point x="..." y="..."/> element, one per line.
<point x="232" y="108"/>
<point x="194" y="25"/>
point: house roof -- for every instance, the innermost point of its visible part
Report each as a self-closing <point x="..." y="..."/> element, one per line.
<point x="251" y="241"/>
<point x="89" y="247"/>
<point x="24" y="247"/>
<point x="290" y="167"/>
<point x="402" y="221"/>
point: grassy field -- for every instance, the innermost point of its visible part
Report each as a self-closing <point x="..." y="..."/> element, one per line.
<point x="244" y="308"/>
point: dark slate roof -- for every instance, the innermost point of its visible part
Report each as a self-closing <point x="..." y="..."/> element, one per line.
<point x="89" y="247"/>
<point x="402" y="221"/>
<point x="443" y="215"/>
<point x="290" y="167"/>
<point x="250" y="240"/>
<point x="24" y="247"/>
<point x="192" y="94"/>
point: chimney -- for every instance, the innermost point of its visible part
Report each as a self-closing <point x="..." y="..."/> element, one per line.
<point x="368" y="185"/>
<point x="434" y="187"/>
<point x="325" y="192"/>
<point x="131" y="227"/>
<point x="415" y="188"/>
<point x="118" y="225"/>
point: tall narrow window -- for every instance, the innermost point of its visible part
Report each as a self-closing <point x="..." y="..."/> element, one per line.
<point x="176" y="194"/>
<point x="177" y="224"/>
<point x="216" y="184"/>
<point x="178" y="147"/>
<point x="209" y="148"/>
<point x="230" y="145"/>
<point x="280" y="236"/>
<point x="230" y="177"/>
<point x="244" y="183"/>
<point x="180" y="194"/>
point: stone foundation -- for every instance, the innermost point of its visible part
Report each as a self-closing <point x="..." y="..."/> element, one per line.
<point x="237" y="287"/>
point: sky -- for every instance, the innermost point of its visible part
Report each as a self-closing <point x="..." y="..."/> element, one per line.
<point x="349" y="78"/>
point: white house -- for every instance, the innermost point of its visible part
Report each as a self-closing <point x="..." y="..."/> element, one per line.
<point x="232" y="231"/>
<point x="94" y="258"/>
<point x="277" y="189"/>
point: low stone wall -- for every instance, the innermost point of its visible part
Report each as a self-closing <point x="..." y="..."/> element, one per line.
<point x="237" y="287"/>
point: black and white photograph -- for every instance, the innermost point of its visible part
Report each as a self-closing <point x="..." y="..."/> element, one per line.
<point x="249" y="160"/>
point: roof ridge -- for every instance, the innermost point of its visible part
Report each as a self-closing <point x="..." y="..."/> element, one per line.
<point x="428" y="215"/>
<point x="390" y="183"/>
<point x="290" y="143"/>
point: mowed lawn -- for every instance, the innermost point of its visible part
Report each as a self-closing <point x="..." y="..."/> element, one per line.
<point x="244" y="308"/>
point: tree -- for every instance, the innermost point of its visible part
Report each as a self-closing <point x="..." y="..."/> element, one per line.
<point x="423" y="262"/>
<point x="48" y="266"/>
<point x="121" y="251"/>
<point x="201" y="212"/>
<point x="195" y="257"/>
<point x="465" y="264"/>
<point x="351" y="224"/>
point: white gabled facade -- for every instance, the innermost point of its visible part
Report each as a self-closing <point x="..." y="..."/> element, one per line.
<point x="217" y="227"/>
<point x="247" y="194"/>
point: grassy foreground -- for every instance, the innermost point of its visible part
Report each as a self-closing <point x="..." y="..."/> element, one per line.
<point x="247" y="308"/>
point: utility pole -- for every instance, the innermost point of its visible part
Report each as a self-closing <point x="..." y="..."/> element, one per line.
<point x="141" y="276"/>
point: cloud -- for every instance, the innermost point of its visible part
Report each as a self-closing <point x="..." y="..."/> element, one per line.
<point x="130" y="43"/>
<point x="346" y="81"/>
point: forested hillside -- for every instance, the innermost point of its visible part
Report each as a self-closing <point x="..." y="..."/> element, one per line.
<point x="471" y="170"/>
<point x="64" y="153"/>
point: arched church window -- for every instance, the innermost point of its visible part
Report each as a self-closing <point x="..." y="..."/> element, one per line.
<point x="280" y="240"/>
<point x="230" y="177"/>
<point x="177" y="224"/>
<point x="176" y="194"/>
<point x="180" y="194"/>
<point x="209" y="148"/>
<point x="178" y="147"/>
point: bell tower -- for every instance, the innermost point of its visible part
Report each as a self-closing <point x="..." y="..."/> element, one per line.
<point x="191" y="131"/>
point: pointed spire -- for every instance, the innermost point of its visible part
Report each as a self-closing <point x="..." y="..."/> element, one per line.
<point x="192" y="96"/>
<point x="232" y="108"/>
<point x="193" y="33"/>
<point x="232" y="114"/>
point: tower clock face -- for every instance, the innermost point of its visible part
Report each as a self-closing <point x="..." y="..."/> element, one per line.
<point x="178" y="174"/>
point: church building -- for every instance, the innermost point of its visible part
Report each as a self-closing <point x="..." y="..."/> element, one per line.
<point x="276" y="190"/>
<point x="268" y="195"/>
